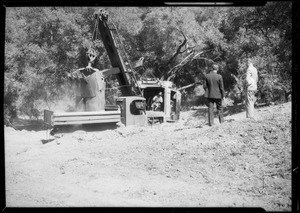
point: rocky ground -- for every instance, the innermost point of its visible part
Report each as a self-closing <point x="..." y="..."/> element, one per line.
<point x="240" y="163"/>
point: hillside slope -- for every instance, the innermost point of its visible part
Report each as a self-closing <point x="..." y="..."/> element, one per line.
<point x="240" y="163"/>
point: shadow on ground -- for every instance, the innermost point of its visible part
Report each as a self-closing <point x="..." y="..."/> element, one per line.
<point x="29" y="125"/>
<point x="39" y="125"/>
<point x="44" y="141"/>
<point x="228" y="110"/>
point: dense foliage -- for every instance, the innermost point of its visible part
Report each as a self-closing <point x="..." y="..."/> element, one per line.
<point x="43" y="44"/>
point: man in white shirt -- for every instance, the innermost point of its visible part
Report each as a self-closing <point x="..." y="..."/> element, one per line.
<point x="157" y="101"/>
<point x="251" y="88"/>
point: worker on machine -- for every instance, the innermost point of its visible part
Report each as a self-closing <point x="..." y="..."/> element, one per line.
<point x="157" y="102"/>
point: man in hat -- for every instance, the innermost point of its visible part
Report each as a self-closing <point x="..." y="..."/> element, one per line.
<point x="214" y="92"/>
<point x="250" y="88"/>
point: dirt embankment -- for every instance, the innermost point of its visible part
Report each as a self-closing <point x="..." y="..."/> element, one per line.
<point x="241" y="163"/>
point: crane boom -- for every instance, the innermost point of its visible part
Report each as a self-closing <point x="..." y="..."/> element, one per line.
<point x="127" y="81"/>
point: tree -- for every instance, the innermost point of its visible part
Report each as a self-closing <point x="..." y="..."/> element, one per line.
<point x="177" y="43"/>
<point x="264" y="34"/>
<point x="41" y="45"/>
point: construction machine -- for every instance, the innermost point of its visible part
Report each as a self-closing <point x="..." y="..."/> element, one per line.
<point x="133" y="107"/>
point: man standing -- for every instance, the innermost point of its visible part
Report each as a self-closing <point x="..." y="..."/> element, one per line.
<point x="214" y="92"/>
<point x="250" y="88"/>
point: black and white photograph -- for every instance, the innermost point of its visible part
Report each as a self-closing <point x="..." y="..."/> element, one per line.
<point x="148" y="106"/>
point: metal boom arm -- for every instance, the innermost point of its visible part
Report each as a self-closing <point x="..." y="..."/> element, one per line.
<point x="126" y="81"/>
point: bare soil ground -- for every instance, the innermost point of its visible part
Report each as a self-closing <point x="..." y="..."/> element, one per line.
<point x="240" y="163"/>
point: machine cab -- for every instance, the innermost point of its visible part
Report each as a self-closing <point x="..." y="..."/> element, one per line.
<point x="170" y="108"/>
<point x="133" y="110"/>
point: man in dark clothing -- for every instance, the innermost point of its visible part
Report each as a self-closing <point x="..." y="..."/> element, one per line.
<point x="214" y="92"/>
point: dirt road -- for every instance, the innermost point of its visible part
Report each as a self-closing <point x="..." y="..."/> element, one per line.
<point x="241" y="163"/>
